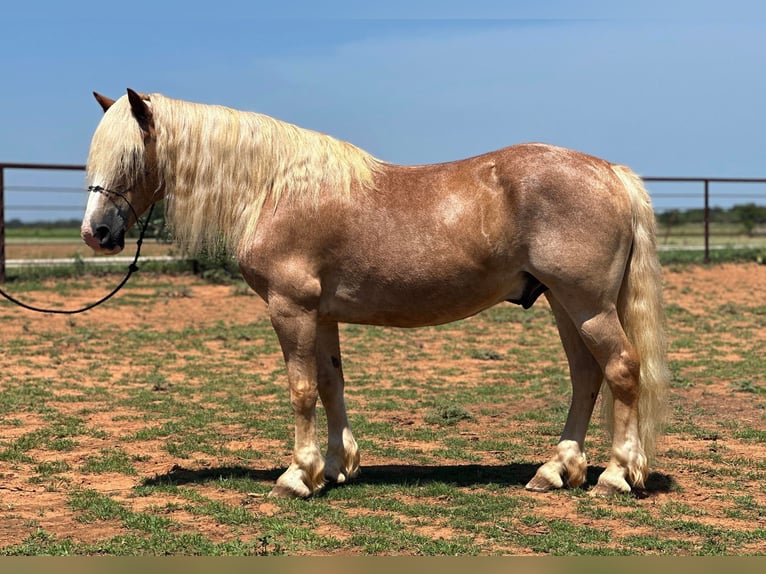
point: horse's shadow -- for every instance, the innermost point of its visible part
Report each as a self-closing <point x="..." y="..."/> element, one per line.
<point x="514" y="475"/>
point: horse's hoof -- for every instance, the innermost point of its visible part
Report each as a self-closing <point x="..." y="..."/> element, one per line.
<point x="335" y="478"/>
<point x="545" y="481"/>
<point x="339" y="476"/>
<point x="536" y="485"/>
<point x="298" y="483"/>
<point x="281" y="491"/>
<point x="608" y="488"/>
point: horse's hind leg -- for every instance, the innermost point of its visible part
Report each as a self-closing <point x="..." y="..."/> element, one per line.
<point x="569" y="461"/>
<point x="342" y="459"/>
<point x="606" y="339"/>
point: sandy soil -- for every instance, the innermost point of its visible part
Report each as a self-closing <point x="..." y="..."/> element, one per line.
<point x="696" y="289"/>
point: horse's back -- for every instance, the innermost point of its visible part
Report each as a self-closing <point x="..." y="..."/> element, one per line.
<point x="519" y="196"/>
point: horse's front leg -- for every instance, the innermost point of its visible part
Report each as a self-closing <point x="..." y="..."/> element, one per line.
<point x="297" y="329"/>
<point x="342" y="460"/>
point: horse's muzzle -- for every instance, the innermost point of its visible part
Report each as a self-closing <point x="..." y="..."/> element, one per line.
<point x="104" y="238"/>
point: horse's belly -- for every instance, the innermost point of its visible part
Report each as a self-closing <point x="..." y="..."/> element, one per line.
<point x="417" y="303"/>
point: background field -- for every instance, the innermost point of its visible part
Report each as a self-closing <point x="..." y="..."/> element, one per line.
<point x="53" y="242"/>
<point x="157" y="424"/>
<point x="678" y="242"/>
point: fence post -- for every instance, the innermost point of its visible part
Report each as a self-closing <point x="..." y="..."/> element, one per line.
<point x="2" y="224"/>
<point x="707" y="221"/>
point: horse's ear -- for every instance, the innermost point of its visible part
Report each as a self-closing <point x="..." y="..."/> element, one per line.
<point x="141" y="111"/>
<point x="105" y="102"/>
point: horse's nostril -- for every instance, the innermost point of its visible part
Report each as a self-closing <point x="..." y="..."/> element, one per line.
<point x="106" y="239"/>
<point x="102" y="232"/>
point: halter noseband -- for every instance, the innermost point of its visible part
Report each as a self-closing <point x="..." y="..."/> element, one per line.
<point x="120" y="194"/>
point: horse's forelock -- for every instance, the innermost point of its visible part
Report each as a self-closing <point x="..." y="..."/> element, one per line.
<point x="116" y="155"/>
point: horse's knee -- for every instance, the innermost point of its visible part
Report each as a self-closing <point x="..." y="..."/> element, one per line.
<point x="303" y="396"/>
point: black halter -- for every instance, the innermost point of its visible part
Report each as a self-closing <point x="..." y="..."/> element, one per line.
<point x="132" y="268"/>
<point x="120" y="194"/>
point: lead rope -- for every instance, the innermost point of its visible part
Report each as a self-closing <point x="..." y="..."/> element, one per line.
<point x="132" y="268"/>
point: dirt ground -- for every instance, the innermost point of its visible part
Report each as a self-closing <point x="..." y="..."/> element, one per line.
<point x="692" y="288"/>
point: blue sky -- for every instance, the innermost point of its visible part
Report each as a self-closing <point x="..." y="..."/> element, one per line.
<point x="669" y="88"/>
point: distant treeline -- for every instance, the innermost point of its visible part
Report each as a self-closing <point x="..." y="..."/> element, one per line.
<point x="59" y="224"/>
<point x="748" y="215"/>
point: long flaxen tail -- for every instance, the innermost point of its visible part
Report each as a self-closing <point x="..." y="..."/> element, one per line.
<point x="642" y="316"/>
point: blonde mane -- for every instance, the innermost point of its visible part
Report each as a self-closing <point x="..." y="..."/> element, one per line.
<point x="218" y="166"/>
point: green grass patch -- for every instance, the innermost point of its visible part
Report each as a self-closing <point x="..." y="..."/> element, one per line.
<point x="194" y="414"/>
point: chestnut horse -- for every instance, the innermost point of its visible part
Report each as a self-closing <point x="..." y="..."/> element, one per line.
<point x="325" y="233"/>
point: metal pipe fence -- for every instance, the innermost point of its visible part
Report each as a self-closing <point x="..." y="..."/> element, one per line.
<point x="658" y="197"/>
<point x="22" y="166"/>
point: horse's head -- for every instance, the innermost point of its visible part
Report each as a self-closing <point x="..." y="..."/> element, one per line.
<point x="122" y="171"/>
